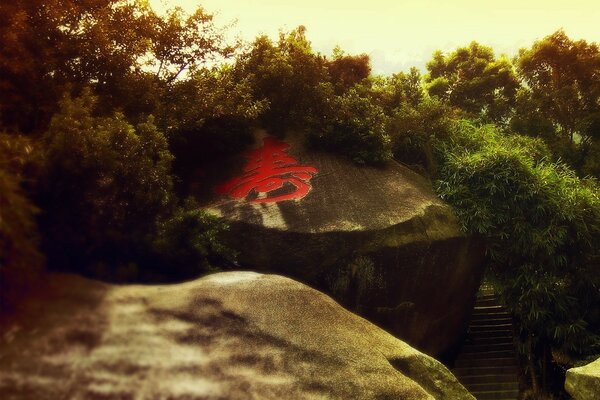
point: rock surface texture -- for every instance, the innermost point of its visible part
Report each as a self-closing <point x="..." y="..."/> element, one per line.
<point x="378" y="239"/>
<point x="234" y="335"/>
<point x="583" y="383"/>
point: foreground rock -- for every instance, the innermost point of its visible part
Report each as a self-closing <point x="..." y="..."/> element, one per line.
<point x="378" y="239"/>
<point x="583" y="383"/>
<point x="231" y="335"/>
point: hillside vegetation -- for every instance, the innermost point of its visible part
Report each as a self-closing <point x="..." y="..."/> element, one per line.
<point x="107" y="109"/>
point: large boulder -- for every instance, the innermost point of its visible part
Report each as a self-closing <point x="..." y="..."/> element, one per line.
<point x="234" y="335"/>
<point x="378" y="239"/>
<point x="583" y="383"/>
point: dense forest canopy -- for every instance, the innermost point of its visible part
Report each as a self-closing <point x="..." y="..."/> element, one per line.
<point x="107" y="109"/>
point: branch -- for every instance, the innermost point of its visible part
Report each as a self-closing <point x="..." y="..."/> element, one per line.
<point x="181" y="69"/>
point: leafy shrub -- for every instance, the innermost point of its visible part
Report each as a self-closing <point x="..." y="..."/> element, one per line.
<point x="204" y="145"/>
<point x="188" y="242"/>
<point x="356" y="127"/>
<point x="541" y="225"/>
<point x="474" y="80"/>
<point x="208" y="94"/>
<point x="347" y="70"/>
<point x="105" y="184"/>
<point x="207" y="118"/>
<point x="20" y="260"/>
<point x="289" y="76"/>
<point x="413" y="129"/>
<point x="591" y="164"/>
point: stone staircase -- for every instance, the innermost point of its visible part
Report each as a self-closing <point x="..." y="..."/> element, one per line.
<point x="487" y="364"/>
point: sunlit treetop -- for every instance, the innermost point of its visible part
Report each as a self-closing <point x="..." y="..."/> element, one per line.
<point x="401" y="34"/>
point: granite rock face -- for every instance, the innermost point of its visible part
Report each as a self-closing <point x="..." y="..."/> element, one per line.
<point x="234" y="335"/>
<point x="378" y="239"/>
<point x="583" y="383"/>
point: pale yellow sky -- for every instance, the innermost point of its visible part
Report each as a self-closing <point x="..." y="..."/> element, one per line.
<point x="404" y="33"/>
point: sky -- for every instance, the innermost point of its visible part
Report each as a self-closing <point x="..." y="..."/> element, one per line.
<point x="404" y="33"/>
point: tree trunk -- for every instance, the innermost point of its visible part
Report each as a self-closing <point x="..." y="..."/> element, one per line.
<point x="532" y="370"/>
<point x="545" y="368"/>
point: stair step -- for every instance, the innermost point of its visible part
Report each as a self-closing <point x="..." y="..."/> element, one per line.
<point x="496" y="395"/>
<point x="493" y="385"/>
<point x="479" y="335"/>
<point x="494" y="345"/>
<point x="491" y="321"/>
<point x="499" y="314"/>
<point x="486" y="362"/>
<point x="472" y="347"/>
<point x="495" y="370"/>
<point x="483" y="353"/>
<point x="487" y="302"/>
<point x="492" y="327"/>
<point x="485" y="309"/>
<point x="487" y="296"/>
<point x="491" y="340"/>
<point x="483" y="379"/>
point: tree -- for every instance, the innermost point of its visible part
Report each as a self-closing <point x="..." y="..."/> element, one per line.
<point x="55" y="46"/>
<point x="219" y="124"/>
<point x="472" y="79"/>
<point x="563" y="78"/>
<point x="414" y="119"/>
<point x="356" y="126"/>
<point x="399" y="89"/>
<point x="290" y="76"/>
<point x="215" y="93"/>
<point x="346" y="71"/>
<point x="541" y="226"/>
<point x="188" y="242"/>
<point x="50" y="45"/>
<point x="20" y="260"/>
<point x="105" y="184"/>
<point x="415" y="129"/>
<point x="183" y="42"/>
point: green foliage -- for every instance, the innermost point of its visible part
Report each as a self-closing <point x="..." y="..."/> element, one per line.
<point x="106" y="180"/>
<point x="105" y="184"/>
<point x="207" y="117"/>
<point x="356" y="127"/>
<point x="331" y="100"/>
<point x="289" y="76"/>
<point x="563" y="89"/>
<point x="472" y="79"/>
<point x="541" y="226"/>
<point x="562" y="76"/>
<point x="399" y="89"/>
<point x="188" y="242"/>
<point x="118" y="47"/>
<point x="20" y="260"/>
<point x="108" y="201"/>
<point x="504" y="187"/>
<point x="208" y="94"/>
<point x="180" y="41"/>
<point x="591" y="165"/>
<point x="528" y="119"/>
<point x="415" y="128"/>
<point x="346" y="71"/>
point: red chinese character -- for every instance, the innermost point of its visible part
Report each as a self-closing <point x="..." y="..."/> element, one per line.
<point x="269" y="168"/>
